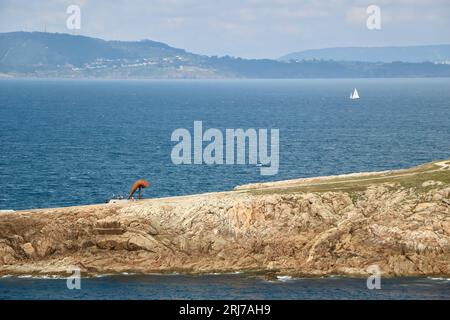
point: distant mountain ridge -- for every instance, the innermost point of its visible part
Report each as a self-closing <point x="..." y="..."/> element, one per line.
<point x="414" y="54"/>
<point x="27" y="48"/>
<point x="56" y="55"/>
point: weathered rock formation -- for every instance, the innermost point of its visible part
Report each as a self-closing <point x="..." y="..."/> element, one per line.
<point x="398" y="220"/>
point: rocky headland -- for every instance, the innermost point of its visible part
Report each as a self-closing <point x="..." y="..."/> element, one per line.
<point x="398" y="220"/>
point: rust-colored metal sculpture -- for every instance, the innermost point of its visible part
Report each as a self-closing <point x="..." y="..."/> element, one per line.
<point x="140" y="184"/>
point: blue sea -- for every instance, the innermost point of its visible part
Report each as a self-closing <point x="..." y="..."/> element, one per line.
<point x="73" y="142"/>
<point x="225" y="286"/>
<point x="69" y="142"/>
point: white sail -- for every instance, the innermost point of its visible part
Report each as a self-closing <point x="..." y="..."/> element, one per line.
<point x="354" y="95"/>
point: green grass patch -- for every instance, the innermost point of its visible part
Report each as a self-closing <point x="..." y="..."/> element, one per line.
<point x="407" y="178"/>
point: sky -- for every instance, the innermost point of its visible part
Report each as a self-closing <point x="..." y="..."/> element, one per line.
<point x="242" y="28"/>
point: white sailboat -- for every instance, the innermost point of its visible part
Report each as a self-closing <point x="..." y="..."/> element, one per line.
<point x="354" y="95"/>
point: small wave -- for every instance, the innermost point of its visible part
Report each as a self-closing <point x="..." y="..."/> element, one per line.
<point x="284" y="278"/>
<point x="103" y="275"/>
<point x="55" y="277"/>
<point x="226" y="273"/>
<point x="43" y="277"/>
<point x="438" y="278"/>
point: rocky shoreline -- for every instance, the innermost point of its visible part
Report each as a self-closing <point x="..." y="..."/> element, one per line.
<point x="397" y="220"/>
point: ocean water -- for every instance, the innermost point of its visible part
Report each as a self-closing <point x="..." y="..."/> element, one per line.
<point x="223" y="287"/>
<point x="79" y="142"/>
<point x="68" y="142"/>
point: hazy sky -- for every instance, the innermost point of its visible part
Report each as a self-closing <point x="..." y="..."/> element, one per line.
<point x="246" y="28"/>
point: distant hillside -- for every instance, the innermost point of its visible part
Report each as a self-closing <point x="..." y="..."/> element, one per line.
<point x="38" y="54"/>
<point x="31" y="48"/>
<point x="434" y="53"/>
